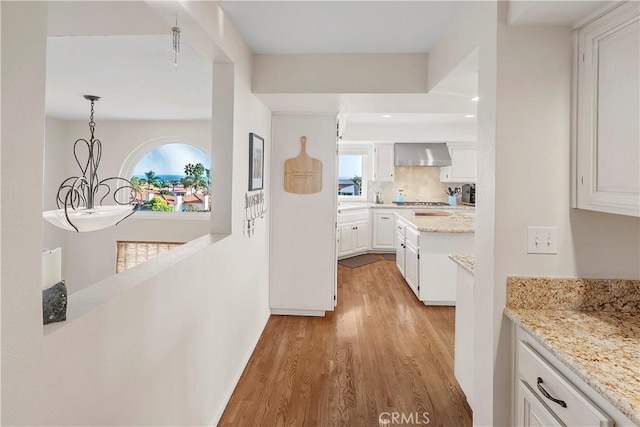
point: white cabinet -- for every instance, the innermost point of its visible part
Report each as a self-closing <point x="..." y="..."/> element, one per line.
<point x="412" y="257"/>
<point x="354" y="232"/>
<point x="464" y="161"/>
<point x="353" y="238"/>
<point x="531" y="411"/>
<point x="548" y="393"/>
<point x="383" y="162"/>
<point x="464" y="328"/>
<point x="400" y="247"/>
<point x="606" y="111"/>
<point x="383" y="230"/>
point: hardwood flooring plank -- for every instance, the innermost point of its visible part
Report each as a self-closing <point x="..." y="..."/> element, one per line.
<point x="381" y="351"/>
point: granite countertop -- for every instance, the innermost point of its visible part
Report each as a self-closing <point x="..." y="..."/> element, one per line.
<point x="349" y="206"/>
<point x="591" y="325"/>
<point x="602" y="348"/>
<point x="393" y="206"/>
<point x="465" y="261"/>
<point x="440" y="224"/>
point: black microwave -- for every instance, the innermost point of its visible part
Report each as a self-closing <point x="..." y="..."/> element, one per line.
<point x="469" y="194"/>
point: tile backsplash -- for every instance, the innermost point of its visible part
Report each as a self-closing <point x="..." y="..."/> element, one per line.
<point x="418" y="183"/>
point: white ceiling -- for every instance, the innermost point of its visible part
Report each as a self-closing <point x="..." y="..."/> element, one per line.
<point x="313" y="27"/>
<point x="122" y="51"/>
<point x="564" y="13"/>
<point x="134" y="75"/>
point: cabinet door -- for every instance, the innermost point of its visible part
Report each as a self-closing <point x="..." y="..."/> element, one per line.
<point x="346" y="236"/>
<point x="463" y="164"/>
<point x="608" y="107"/>
<point x="383" y="230"/>
<point x="400" y="251"/>
<point x="383" y="162"/>
<point x="361" y="236"/>
<point x="411" y="268"/>
<point x="531" y="412"/>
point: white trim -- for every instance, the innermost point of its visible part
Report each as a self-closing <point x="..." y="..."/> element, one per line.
<point x="245" y="361"/>
<point x="190" y="216"/>
<point x="292" y="312"/>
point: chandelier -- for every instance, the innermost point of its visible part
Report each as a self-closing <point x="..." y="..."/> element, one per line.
<point x="79" y="198"/>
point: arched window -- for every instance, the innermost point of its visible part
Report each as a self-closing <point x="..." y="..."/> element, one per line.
<point x="173" y="177"/>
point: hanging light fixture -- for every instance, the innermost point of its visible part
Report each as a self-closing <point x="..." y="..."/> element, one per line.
<point x="176" y="43"/>
<point x="80" y="198"/>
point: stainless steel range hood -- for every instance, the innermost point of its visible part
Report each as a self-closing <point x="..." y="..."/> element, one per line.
<point x="422" y="154"/>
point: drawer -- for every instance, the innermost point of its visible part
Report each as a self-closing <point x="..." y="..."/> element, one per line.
<point x="401" y="227"/>
<point x="353" y="216"/>
<point x="537" y="374"/>
<point x="412" y="237"/>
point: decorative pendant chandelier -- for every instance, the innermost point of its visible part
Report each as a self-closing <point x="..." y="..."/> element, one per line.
<point x="80" y="198"/>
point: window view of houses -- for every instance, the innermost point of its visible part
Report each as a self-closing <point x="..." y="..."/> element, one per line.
<point x="350" y="174"/>
<point x="174" y="178"/>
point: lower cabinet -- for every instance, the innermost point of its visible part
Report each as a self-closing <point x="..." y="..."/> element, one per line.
<point x="412" y="267"/>
<point x="383" y="230"/>
<point x="547" y="393"/>
<point x="353" y="238"/>
<point x="400" y="250"/>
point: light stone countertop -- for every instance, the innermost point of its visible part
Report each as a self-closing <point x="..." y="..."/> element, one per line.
<point x="440" y="224"/>
<point x="601" y="347"/>
<point x="465" y="261"/>
<point x="393" y="206"/>
<point x="350" y="206"/>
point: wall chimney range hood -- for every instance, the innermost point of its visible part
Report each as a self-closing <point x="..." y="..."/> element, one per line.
<point x="422" y="154"/>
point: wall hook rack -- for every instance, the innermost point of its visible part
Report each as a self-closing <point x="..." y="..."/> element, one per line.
<point x="254" y="207"/>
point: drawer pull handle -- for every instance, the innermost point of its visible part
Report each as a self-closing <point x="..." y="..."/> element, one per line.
<point x="546" y="394"/>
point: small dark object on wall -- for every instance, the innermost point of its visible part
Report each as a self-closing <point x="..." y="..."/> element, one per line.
<point x="54" y="303"/>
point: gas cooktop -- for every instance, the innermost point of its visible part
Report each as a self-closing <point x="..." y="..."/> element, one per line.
<point x="421" y="203"/>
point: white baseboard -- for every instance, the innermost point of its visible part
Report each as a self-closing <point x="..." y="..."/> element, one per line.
<point x="286" y="312"/>
<point x="451" y="303"/>
<point x="216" y="419"/>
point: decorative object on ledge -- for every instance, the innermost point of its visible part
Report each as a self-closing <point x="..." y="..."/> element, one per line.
<point x="54" y="303"/>
<point x="254" y="207"/>
<point x="256" y="162"/>
<point x="80" y="198"/>
<point x="303" y="174"/>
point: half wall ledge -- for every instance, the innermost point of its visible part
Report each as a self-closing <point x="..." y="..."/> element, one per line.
<point x="91" y="297"/>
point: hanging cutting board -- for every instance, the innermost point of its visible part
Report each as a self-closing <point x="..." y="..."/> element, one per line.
<point x="303" y="174"/>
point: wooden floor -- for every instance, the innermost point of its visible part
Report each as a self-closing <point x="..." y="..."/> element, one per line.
<point x="380" y="351"/>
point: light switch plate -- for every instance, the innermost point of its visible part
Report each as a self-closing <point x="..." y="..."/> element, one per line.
<point x="542" y="240"/>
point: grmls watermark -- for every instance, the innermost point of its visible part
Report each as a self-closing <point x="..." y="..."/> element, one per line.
<point x="399" y="418"/>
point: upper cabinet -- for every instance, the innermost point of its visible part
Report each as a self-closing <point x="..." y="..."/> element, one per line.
<point x="463" y="163"/>
<point x="606" y="113"/>
<point x="383" y="162"/>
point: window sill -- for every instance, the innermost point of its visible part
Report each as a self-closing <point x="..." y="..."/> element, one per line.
<point x="144" y="215"/>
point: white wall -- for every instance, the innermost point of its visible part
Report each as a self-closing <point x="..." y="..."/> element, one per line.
<point x="303" y="233"/>
<point x="340" y="73"/>
<point x="524" y="179"/>
<point x="411" y="132"/>
<point x="167" y="351"/>
<point x="82" y="268"/>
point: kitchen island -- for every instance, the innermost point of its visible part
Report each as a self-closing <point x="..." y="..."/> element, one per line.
<point x="423" y="245"/>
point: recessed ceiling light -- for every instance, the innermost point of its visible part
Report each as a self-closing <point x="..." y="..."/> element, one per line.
<point x="469" y="116"/>
<point x="475" y="98"/>
<point x="386" y="116"/>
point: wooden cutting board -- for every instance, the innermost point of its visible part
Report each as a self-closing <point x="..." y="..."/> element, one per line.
<point x="303" y="174"/>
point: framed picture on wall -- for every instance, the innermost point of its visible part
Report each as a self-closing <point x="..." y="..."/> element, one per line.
<point x="256" y="162"/>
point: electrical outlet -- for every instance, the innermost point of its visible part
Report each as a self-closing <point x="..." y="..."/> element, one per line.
<point x="542" y="240"/>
